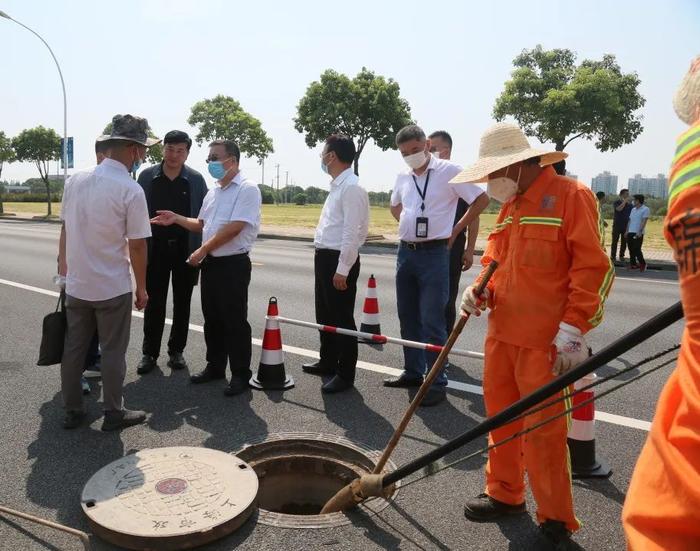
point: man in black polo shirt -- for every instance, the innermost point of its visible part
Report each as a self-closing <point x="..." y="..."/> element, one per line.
<point x="172" y="186"/>
<point x="464" y="242"/>
<point x="621" y="215"/>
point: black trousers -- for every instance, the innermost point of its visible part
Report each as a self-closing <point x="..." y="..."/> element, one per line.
<point x="333" y="307"/>
<point x="455" y="268"/>
<point x="618" y="234"/>
<point x="166" y="257"/>
<point x="635" y="247"/>
<point x="224" y="288"/>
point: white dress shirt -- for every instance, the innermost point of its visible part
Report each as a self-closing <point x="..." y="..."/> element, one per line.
<point x="102" y="208"/>
<point x="440" y="199"/>
<point x="637" y="216"/>
<point x="239" y="201"/>
<point x="344" y="220"/>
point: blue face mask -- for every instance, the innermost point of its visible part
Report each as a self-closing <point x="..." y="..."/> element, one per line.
<point x="135" y="166"/>
<point x="324" y="167"/>
<point x="216" y="169"/>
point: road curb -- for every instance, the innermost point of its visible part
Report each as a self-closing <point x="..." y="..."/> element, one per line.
<point x="653" y="265"/>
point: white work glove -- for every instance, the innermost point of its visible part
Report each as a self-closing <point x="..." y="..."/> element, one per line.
<point x="59" y="281"/>
<point x="473" y="305"/>
<point x="572" y="349"/>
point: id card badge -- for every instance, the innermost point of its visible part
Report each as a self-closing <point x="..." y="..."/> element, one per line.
<point x="422" y="227"/>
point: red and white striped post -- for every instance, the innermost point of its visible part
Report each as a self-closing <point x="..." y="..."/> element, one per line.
<point x="271" y="374"/>
<point x="581" y="440"/>
<point x="370" y="312"/>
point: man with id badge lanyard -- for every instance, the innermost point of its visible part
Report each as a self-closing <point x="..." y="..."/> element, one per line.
<point x="229" y="222"/>
<point x="424" y="204"/>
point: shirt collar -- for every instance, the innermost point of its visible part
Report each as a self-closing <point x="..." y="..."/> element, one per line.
<point x="236" y="180"/>
<point x="113" y="164"/>
<point x="184" y="173"/>
<point x="340" y="178"/>
<point x="539" y="186"/>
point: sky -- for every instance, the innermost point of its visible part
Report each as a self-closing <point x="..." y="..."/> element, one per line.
<point x="157" y="58"/>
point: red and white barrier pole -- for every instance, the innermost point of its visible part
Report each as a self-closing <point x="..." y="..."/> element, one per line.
<point x="379" y="339"/>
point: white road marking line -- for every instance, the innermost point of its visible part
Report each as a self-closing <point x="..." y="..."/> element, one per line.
<point x="376" y="368"/>
<point x="643" y="280"/>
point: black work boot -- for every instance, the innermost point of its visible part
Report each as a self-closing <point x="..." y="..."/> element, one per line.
<point x="557" y="535"/>
<point x="121" y="419"/>
<point x="483" y="508"/>
<point x="176" y="361"/>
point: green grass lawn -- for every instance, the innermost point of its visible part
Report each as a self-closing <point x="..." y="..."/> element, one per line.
<point x="381" y="221"/>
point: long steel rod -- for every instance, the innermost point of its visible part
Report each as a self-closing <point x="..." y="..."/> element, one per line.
<point x="84" y="538"/>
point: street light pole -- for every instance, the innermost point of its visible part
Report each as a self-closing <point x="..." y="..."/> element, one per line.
<point x="64" y="153"/>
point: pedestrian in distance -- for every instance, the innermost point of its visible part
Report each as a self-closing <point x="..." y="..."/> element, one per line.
<point x="229" y="221"/>
<point x="341" y="231"/>
<point x="424" y="204"/>
<point x="174" y="186"/>
<point x="462" y="251"/>
<point x="600" y="196"/>
<point x="104" y="231"/>
<point x="621" y="215"/>
<point x="549" y="290"/>
<point x="636" y="227"/>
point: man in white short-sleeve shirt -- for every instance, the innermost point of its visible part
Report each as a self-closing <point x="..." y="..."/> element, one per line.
<point x="424" y="203"/>
<point x="636" y="227"/>
<point x="229" y="221"/>
<point x="104" y="231"/>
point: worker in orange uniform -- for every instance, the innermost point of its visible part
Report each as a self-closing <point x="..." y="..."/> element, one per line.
<point x="662" y="509"/>
<point x="548" y="291"/>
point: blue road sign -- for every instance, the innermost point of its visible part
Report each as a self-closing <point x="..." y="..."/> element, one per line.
<point x="69" y="152"/>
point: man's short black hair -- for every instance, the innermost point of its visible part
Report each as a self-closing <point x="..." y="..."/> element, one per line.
<point x="342" y="146"/>
<point x="600" y="195"/>
<point x="443" y="135"/>
<point x="639" y="197"/>
<point x="101" y="147"/>
<point x="177" y="136"/>
<point x="231" y="148"/>
<point x="408" y="133"/>
<point x="624" y="191"/>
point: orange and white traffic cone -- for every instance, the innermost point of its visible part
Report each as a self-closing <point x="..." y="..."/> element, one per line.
<point x="271" y="374"/>
<point x="581" y="440"/>
<point x="370" y="312"/>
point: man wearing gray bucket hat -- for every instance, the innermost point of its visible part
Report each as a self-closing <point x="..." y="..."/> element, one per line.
<point x="549" y="290"/>
<point x="105" y="225"/>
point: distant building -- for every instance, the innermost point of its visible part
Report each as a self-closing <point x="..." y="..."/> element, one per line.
<point x="605" y="182"/>
<point x="654" y="186"/>
<point x="17" y="188"/>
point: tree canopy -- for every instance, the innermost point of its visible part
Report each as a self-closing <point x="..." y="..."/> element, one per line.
<point x="38" y="145"/>
<point x="7" y="155"/>
<point x="557" y="101"/>
<point x="366" y="107"/>
<point x="223" y="118"/>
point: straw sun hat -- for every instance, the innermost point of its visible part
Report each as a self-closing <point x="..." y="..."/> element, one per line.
<point x="502" y="145"/>
<point x="687" y="98"/>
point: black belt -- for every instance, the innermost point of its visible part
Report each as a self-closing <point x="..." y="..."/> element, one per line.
<point x="330" y="252"/>
<point x="228" y="258"/>
<point x="418" y="245"/>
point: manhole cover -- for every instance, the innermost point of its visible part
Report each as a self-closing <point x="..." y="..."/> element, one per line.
<point x="170" y="498"/>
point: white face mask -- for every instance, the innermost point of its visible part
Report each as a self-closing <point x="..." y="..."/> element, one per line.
<point x="503" y="188"/>
<point x="416" y="160"/>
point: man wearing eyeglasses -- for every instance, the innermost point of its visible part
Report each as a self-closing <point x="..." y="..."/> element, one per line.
<point x="229" y="221"/>
<point x="173" y="186"/>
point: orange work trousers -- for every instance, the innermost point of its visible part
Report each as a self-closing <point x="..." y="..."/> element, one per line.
<point x="511" y="372"/>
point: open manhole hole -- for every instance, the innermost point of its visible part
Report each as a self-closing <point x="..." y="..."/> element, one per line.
<point x="299" y="472"/>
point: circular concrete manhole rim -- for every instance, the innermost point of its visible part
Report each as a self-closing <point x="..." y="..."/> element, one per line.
<point x="370" y="507"/>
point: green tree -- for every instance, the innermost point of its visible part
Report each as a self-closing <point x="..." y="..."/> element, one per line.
<point x="223" y="118"/>
<point x="363" y="108"/>
<point x="7" y="155"/>
<point x="300" y="199"/>
<point x="155" y="152"/>
<point x="557" y="101"/>
<point x="315" y="195"/>
<point x="38" y="145"/>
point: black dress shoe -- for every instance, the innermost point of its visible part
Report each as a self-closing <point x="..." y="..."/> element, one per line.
<point x="236" y="386"/>
<point x="121" y="419"/>
<point x="336" y="384"/>
<point x="177" y="361"/>
<point x="207" y="374"/>
<point x="73" y="419"/>
<point x="433" y="397"/>
<point x="402" y="382"/>
<point x="483" y="508"/>
<point x="555" y="532"/>
<point x="146" y="365"/>
<point x="317" y="368"/>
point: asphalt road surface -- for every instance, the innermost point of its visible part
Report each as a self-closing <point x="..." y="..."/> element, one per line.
<point x="43" y="467"/>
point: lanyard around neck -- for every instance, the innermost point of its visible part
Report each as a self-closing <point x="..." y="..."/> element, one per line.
<point x="425" y="189"/>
